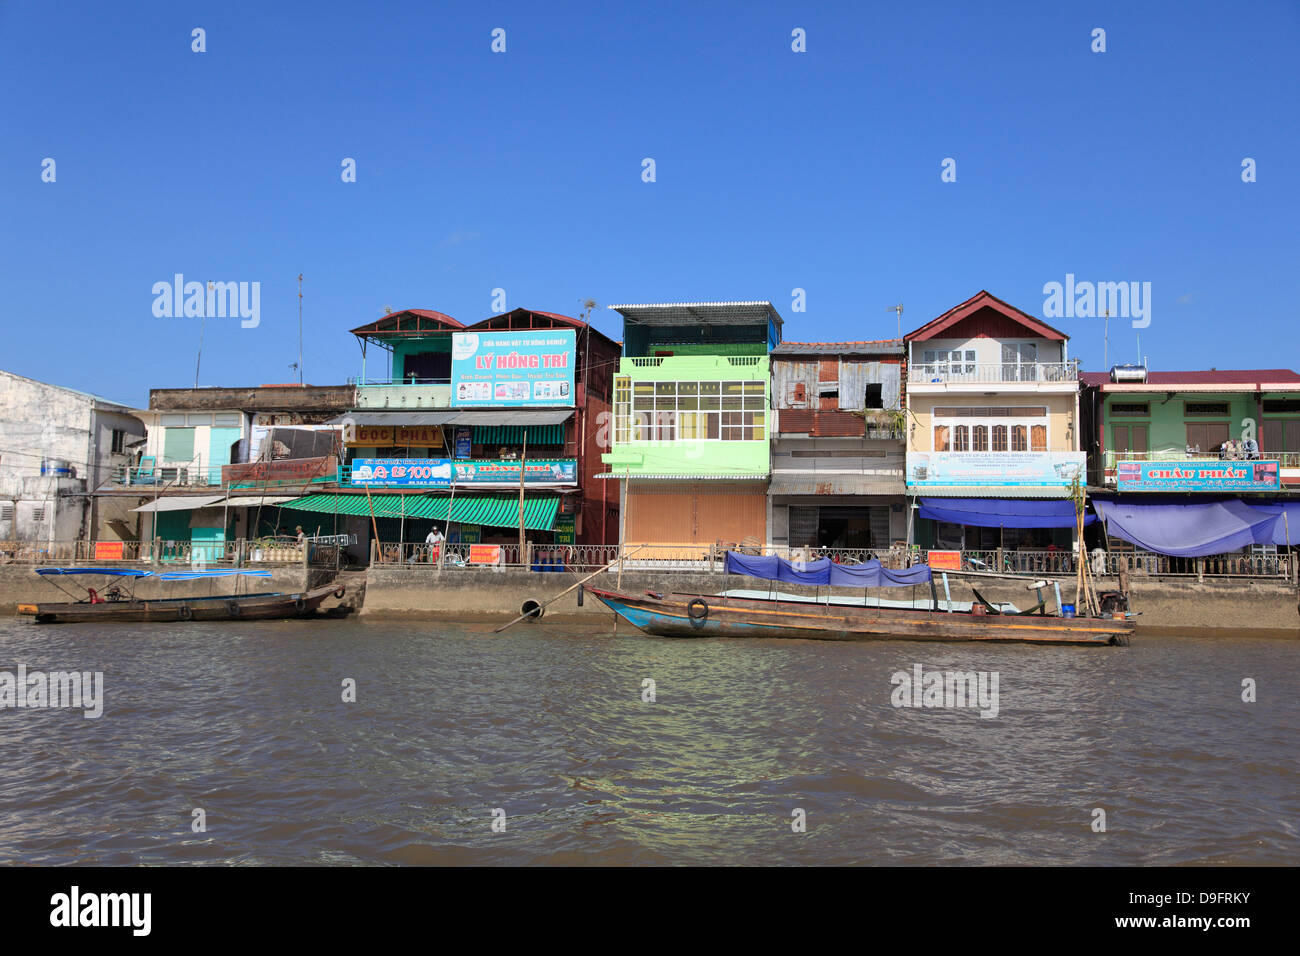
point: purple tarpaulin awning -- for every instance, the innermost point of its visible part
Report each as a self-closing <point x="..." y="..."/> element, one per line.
<point x="868" y="574"/>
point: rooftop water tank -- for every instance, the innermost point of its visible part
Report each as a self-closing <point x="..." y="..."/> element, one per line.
<point x="1128" y="373"/>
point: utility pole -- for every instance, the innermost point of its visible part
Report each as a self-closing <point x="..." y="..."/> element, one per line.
<point x="523" y="465"/>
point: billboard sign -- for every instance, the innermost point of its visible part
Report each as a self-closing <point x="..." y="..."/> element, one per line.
<point x="520" y="368"/>
<point x="440" y="472"/>
<point x="975" y="468"/>
<point x="1197" y="475"/>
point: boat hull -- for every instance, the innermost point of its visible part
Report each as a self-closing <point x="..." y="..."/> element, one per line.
<point x="672" y="615"/>
<point x="222" y="607"/>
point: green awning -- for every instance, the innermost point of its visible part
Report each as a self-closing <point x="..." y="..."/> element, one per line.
<point x="514" y="434"/>
<point x="495" y="511"/>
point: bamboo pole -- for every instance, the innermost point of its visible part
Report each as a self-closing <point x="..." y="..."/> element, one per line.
<point x="374" y="525"/>
<point x="523" y="465"/>
<point x="561" y="594"/>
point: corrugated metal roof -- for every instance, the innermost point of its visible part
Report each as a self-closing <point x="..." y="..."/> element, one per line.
<point x="834" y="485"/>
<point x="991" y="491"/>
<point x="868" y="347"/>
<point x="703" y="313"/>
<point x="491" y="510"/>
<point x="466" y="416"/>
<point x="179" y="503"/>
<point x="1245" y="376"/>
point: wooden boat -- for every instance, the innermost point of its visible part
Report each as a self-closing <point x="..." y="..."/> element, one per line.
<point x="118" y="604"/>
<point x="705" y="615"/>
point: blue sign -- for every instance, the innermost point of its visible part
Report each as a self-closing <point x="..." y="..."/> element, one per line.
<point x="523" y="368"/>
<point x="402" y="472"/>
<point x="464" y="442"/>
<point x="1197" y="475"/>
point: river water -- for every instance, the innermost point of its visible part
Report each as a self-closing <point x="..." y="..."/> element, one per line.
<point x="547" y="725"/>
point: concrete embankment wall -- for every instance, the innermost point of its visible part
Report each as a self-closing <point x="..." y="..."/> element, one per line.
<point x="1178" y="607"/>
<point x="19" y="584"/>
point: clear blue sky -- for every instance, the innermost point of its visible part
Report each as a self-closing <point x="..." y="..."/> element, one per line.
<point x="522" y="170"/>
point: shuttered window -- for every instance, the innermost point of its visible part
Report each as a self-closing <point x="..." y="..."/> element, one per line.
<point x="178" y="444"/>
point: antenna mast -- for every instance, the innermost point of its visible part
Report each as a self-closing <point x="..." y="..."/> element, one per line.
<point x="299" y="328"/>
<point x="899" y="310"/>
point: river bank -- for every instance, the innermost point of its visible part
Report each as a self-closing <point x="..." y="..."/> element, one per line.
<point x="1182" y="606"/>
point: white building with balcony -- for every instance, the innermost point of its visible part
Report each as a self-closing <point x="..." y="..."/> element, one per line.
<point x="993" y="445"/>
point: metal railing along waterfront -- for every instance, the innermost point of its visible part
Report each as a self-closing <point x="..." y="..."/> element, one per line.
<point x="1287" y="459"/>
<point x="998" y="372"/>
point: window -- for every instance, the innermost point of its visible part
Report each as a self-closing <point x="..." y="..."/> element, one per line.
<point x="119" y="441"/>
<point x="797" y="394"/>
<point x="676" y="411"/>
<point x="1131" y="409"/>
<point x="1206" y="437"/>
<point x="1003" y="428"/>
<point x="1019" y="361"/>
<point x="38" y="513"/>
<point x="1130" y="437"/>
<point x="1282" y="406"/>
<point x="7" y="511"/>
<point x="1198" y="409"/>
<point x="949" y="363"/>
<point x="874" y="397"/>
<point x="1279" y="435"/>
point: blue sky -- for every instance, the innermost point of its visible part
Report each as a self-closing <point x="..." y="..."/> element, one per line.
<point x="775" y="170"/>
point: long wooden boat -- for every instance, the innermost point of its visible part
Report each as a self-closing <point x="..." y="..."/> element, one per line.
<point x="125" y="607"/>
<point x="706" y="615"/>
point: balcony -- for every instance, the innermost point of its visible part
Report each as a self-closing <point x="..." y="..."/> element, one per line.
<point x="1000" y="373"/>
<point x="404" y="395"/>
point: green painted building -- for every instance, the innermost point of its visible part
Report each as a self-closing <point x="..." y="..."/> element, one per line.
<point x="692" y="422"/>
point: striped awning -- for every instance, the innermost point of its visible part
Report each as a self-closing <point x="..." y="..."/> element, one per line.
<point x="516" y="434"/>
<point x="495" y="511"/>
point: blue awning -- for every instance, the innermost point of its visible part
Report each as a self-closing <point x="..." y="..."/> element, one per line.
<point x="1196" y="529"/>
<point x="1003" y="512"/>
<point x="107" y="572"/>
<point x="868" y="574"/>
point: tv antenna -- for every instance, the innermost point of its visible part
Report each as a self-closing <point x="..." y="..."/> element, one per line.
<point x="899" y="310"/>
<point x="299" y="364"/>
<point x="1105" y="349"/>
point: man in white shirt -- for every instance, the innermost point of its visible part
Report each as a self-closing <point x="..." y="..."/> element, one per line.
<point x="434" y="541"/>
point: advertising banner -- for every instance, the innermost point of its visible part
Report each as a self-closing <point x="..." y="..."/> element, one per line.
<point x="944" y="560"/>
<point x="108" y="550"/>
<point x="402" y="472"/>
<point x="464" y="442"/>
<point x="1197" y="475"/>
<point x="285" y="469"/>
<point x="440" y="472"/>
<point x="484" y="553"/>
<point x="1027" y="468"/>
<point x="513" y="368"/>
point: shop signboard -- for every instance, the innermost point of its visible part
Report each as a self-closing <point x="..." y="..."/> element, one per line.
<point x="944" y="560"/>
<point x="517" y="368"/>
<point x="1198" y="475"/>
<point x="565" y="529"/>
<point x="442" y="472"/>
<point x="1003" y="468"/>
<point x="464" y="442"/>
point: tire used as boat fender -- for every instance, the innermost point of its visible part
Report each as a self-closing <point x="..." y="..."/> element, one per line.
<point x="234" y="608"/>
<point x="299" y="604"/>
<point x="340" y="591"/>
<point x="698" y="612"/>
<point x="185" y="613"/>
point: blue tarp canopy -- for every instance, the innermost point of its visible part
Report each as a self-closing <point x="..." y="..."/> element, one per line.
<point x="1196" y="529"/>
<point x="1003" y="512"/>
<point x="869" y="574"/>
<point x="192" y="575"/>
<point x="109" y="572"/>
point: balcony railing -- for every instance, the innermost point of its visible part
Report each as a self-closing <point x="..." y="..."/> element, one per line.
<point x="1000" y="372"/>
<point x="404" y="393"/>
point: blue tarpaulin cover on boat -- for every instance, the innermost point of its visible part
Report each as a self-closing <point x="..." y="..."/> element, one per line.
<point x="1003" y="512"/>
<point x="824" y="571"/>
<point x="1196" y="529"/>
<point x="109" y="572"/>
<point x="192" y="575"/>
